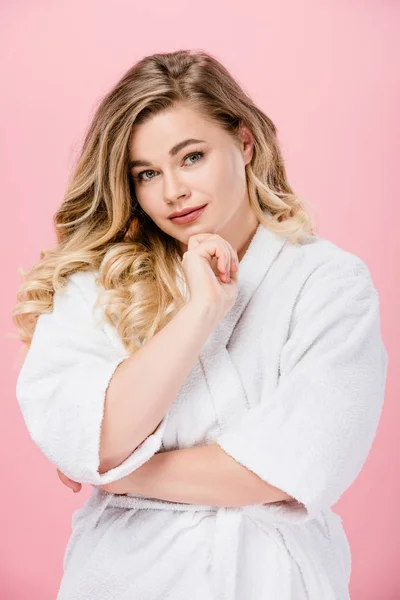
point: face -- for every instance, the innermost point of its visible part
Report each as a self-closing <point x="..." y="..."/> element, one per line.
<point x="173" y="172"/>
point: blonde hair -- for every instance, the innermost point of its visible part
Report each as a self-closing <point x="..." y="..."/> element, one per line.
<point x="100" y="226"/>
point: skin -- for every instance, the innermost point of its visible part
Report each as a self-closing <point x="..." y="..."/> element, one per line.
<point x="171" y="183"/>
<point x="200" y="475"/>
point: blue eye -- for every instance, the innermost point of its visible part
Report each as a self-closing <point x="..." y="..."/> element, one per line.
<point x="140" y="177"/>
<point x="201" y="154"/>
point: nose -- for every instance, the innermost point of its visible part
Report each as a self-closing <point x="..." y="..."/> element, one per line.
<point x="174" y="187"/>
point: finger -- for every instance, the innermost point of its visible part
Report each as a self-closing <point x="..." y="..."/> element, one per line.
<point x="63" y="478"/>
<point x="223" y="261"/>
<point x="213" y="246"/>
<point x="74" y="485"/>
<point x="234" y="262"/>
<point x="227" y="274"/>
<point x="216" y="246"/>
<point x="234" y="276"/>
<point x="196" y="239"/>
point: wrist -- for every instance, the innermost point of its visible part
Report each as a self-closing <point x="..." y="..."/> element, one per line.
<point x="207" y="316"/>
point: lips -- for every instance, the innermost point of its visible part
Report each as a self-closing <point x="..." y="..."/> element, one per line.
<point x="188" y="212"/>
<point x="190" y="216"/>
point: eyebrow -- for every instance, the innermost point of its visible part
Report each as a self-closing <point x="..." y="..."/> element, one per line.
<point x="174" y="150"/>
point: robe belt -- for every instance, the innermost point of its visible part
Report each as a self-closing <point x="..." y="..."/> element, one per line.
<point x="226" y="545"/>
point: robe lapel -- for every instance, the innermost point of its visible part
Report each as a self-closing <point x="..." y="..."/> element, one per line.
<point x="222" y="378"/>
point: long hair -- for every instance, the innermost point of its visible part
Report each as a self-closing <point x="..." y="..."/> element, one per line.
<point x="100" y="225"/>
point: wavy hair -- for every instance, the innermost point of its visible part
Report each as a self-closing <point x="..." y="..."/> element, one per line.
<point x="100" y="225"/>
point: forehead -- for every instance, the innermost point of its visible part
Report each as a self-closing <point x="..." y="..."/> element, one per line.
<point x="165" y="129"/>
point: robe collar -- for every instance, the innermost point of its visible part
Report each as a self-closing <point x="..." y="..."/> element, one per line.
<point x="214" y="365"/>
<point x="262" y="251"/>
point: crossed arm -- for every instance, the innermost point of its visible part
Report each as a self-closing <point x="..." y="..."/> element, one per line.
<point x="198" y="475"/>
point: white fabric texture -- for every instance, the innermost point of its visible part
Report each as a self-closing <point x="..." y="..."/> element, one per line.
<point x="62" y="384"/>
<point x="321" y="420"/>
<point x="290" y="384"/>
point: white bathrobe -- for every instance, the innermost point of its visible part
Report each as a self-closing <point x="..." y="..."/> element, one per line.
<point x="290" y="384"/>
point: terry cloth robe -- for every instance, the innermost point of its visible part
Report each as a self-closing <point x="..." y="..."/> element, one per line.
<point x="290" y="384"/>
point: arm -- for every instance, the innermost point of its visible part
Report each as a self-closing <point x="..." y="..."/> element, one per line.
<point x="146" y="384"/>
<point x="310" y="438"/>
<point x="198" y="475"/>
<point x="312" y="435"/>
<point x="63" y="382"/>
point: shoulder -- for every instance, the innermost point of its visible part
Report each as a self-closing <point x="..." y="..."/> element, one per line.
<point x="321" y="259"/>
<point x="83" y="282"/>
<point x="83" y="285"/>
<point x="76" y="312"/>
<point x="75" y="301"/>
<point x="333" y="286"/>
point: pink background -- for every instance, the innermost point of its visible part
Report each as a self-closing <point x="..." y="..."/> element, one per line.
<point x="327" y="74"/>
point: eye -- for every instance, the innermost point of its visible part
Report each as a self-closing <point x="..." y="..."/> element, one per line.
<point x="140" y="177"/>
<point x="201" y="154"/>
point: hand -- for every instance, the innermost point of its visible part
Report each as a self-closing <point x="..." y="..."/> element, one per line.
<point x="74" y="485"/>
<point x="116" y="487"/>
<point x="211" y="267"/>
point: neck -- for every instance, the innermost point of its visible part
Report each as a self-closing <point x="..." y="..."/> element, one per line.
<point x="240" y="229"/>
<point x="242" y="234"/>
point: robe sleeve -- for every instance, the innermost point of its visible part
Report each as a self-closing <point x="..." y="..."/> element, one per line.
<point x="310" y="437"/>
<point x="61" y="389"/>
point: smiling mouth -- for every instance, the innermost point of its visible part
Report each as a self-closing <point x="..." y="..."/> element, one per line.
<point x="189" y="216"/>
<point x="188" y="212"/>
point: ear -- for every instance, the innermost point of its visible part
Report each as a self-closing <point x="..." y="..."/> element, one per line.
<point x="247" y="142"/>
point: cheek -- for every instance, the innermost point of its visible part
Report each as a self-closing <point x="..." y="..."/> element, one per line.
<point x="226" y="179"/>
<point x="147" y="198"/>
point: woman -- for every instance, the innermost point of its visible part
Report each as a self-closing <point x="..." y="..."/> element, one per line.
<point x="218" y="378"/>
